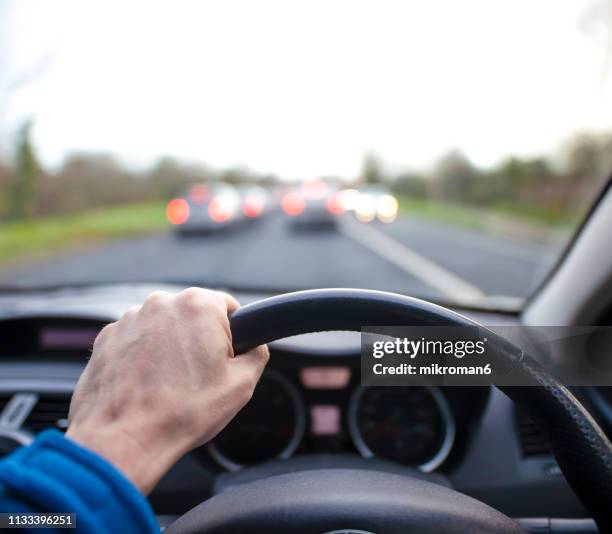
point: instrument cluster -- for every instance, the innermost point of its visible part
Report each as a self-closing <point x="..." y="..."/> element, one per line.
<point x="305" y="408"/>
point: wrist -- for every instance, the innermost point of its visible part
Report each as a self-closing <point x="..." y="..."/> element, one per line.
<point x="143" y="461"/>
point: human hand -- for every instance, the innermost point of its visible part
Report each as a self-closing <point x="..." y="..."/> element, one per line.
<point x="161" y="381"/>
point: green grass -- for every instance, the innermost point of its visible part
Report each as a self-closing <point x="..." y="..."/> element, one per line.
<point x="478" y="218"/>
<point x="43" y="235"/>
<point x="439" y="211"/>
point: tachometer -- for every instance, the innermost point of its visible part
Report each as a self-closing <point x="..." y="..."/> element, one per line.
<point x="410" y="425"/>
<point x="270" y="426"/>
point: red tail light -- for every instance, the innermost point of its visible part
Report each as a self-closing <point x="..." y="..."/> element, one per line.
<point x="177" y="211"/>
<point x="218" y="211"/>
<point x="293" y="204"/>
<point x="334" y="204"/>
<point x="252" y="206"/>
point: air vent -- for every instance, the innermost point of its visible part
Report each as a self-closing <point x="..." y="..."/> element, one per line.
<point x="533" y="441"/>
<point x="51" y="411"/>
<point x="4" y="399"/>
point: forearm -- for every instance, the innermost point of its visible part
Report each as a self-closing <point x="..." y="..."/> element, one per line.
<point x="143" y="459"/>
<point x="55" y="474"/>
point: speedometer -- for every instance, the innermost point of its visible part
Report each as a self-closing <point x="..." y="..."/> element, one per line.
<point x="410" y="425"/>
<point x="270" y="426"/>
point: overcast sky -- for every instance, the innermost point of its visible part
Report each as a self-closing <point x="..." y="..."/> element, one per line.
<point x="302" y="88"/>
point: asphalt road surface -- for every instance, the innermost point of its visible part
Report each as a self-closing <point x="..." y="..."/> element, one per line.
<point x="415" y="257"/>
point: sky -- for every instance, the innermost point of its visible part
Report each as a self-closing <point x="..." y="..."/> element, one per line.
<point x="302" y="88"/>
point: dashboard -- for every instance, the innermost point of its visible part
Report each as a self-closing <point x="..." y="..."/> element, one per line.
<point x="309" y="411"/>
<point x="304" y="404"/>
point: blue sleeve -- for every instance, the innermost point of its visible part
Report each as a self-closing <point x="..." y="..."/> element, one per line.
<point x="55" y="474"/>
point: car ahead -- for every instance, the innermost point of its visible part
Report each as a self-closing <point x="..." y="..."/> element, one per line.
<point x="374" y="203"/>
<point x="314" y="205"/>
<point x="205" y="208"/>
<point x="255" y="201"/>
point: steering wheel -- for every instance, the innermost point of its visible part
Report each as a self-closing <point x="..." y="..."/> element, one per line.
<point x="353" y="500"/>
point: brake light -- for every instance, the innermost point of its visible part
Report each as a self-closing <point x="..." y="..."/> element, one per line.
<point x="177" y="211"/>
<point x="334" y="204"/>
<point x="252" y="206"/>
<point x="293" y="204"/>
<point x="219" y="211"/>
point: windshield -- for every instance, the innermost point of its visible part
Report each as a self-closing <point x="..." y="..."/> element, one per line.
<point x="445" y="150"/>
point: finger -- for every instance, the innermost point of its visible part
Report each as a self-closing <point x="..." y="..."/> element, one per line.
<point x="230" y="302"/>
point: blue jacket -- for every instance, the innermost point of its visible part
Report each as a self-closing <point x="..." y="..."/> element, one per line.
<point x="54" y="474"/>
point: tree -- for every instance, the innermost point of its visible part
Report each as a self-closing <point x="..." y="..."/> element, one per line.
<point x="269" y="180"/>
<point x="233" y="177"/>
<point x="27" y="170"/>
<point x="372" y="172"/>
<point x="583" y="158"/>
<point x="410" y="183"/>
<point x="455" y="176"/>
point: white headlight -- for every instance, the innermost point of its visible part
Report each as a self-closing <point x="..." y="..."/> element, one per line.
<point x="386" y="208"/>
<point x="365" y="208"/>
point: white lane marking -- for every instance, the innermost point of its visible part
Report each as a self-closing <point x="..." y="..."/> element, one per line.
<point x="406" y="259"/>
<point x="514" y="248"/>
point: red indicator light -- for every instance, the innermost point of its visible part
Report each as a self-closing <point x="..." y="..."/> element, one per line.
<point x="177" y="211"/>
<point x="293" y="204"/>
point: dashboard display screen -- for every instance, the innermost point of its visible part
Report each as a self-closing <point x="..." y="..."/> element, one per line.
<point x="66" y="338"/>
<point x="325" y="377"/>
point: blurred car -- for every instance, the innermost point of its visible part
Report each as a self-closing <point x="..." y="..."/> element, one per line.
<point x="205" y="208"/>
<point x="374" y="202"/>
<point x="255" y="201"/>
<point x="315" y="205"/>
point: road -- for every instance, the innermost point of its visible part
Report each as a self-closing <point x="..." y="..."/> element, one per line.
<point x="415" y="257"/>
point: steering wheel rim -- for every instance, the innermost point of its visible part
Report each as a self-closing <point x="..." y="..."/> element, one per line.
<point x="582" y="449"/>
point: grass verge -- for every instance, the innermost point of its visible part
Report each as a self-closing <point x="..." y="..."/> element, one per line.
<point x="43" y="235"/>
<point x="500" y="218"/>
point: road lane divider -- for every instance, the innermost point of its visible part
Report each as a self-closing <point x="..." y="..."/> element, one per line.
<point x="428" y="272"/>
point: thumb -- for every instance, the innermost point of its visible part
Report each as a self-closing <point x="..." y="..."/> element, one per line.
<point x="251" y="363"/>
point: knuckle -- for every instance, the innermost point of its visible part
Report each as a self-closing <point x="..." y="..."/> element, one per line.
<point x="130" y="312"/>
<point x="104" y="333"/>
<point x="156" y="300"/>
<point x="193" y="298"/>
<point x="226" y="300"/>
<point x="193" y="292"/>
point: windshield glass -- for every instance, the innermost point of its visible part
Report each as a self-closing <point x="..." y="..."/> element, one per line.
<point x="446" y="150"/>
